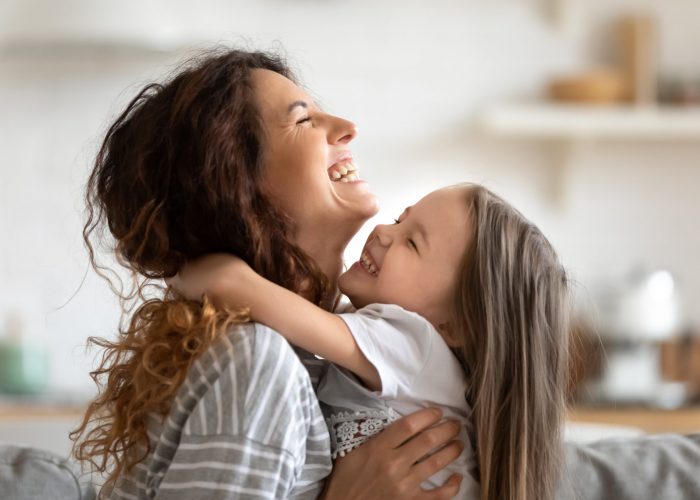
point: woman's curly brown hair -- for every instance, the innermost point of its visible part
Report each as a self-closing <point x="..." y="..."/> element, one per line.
<point x="179" y="175"/>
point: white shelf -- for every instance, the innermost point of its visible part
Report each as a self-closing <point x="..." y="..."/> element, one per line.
<point x="575" y="122"/>
<point x="52" y="46"/>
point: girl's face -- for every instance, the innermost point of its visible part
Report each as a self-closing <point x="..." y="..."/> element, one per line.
<point x="414" y="262"/>
<point x="309" y="168"/>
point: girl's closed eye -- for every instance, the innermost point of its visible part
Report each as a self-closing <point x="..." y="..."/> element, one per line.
<point x="409" y="241"/>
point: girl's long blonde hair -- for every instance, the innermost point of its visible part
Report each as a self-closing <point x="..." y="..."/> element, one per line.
<point x="511" y="311"/>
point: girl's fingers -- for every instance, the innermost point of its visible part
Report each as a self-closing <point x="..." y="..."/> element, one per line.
<point x="447" y="490"/>
<point x="407" y="427"/>
<point x="429" y="440"/>
<point x="437" y="461"/>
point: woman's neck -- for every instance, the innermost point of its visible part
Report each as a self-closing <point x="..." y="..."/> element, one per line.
<point x="327" y="253"/>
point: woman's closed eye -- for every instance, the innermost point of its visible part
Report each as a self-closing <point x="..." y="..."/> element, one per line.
<point x="303" y="120"/>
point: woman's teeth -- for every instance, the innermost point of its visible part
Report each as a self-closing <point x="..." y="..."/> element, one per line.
<point x="343" y="173"/>
<point x="367" y="264"/>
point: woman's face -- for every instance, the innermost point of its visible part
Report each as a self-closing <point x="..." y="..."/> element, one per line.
<point x="309" y="168"/>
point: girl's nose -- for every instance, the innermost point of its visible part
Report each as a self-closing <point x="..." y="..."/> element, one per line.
<point x="340" y="130"/>
<point x="383" y="234"/>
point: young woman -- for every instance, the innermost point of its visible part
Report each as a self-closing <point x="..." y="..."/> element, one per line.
<point x="462" y="296"/>
<point x="231" y="156"/>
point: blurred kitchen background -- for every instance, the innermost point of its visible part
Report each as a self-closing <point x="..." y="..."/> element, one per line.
<point x="583" y="113"/>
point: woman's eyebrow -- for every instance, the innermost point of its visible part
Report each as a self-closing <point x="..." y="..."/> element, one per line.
<point x="303" y="104"/>
<point x="297" y="104"/>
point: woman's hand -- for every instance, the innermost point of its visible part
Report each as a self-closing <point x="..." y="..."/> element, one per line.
<point x="218" y="276"/>
<point x="394" y="463"/>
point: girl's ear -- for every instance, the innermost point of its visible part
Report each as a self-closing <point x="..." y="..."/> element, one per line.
<point x="449" y="335"/>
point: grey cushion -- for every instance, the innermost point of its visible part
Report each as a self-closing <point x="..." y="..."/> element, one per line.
<point x="27" y="473"/>
<point x="657" y="467"/>
<point x="648" y="467"/>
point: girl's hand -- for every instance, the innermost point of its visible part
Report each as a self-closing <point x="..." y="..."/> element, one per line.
<point x="216" y="275"/>
<point x="394" y="463"/>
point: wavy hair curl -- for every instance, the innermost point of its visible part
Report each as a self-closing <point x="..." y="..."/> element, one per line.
<point x="179" y="175"/>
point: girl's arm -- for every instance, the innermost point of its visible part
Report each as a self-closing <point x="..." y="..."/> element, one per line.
<point x="229" y="282"/>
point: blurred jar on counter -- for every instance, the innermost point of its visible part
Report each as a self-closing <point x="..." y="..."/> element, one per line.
<point x="680" y="362"/>
<point x="23" y="358"/>
<point x="637" y="321"/>
<point x="680" y="90"/>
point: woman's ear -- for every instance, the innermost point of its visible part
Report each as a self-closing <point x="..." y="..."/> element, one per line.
<point x="449" y="335"/>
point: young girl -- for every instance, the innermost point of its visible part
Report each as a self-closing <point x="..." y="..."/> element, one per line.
<point x="460" y="304"/>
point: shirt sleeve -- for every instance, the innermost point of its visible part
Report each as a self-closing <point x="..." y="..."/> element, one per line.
<point x="397" y="342"/>
<point x="254" y="431"/>
<point x="220" y="467"/>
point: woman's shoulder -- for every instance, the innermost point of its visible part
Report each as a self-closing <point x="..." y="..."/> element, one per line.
<point x="254" y="344"/>
<point x="247" y="370"/>
<point x="248" y="353"/>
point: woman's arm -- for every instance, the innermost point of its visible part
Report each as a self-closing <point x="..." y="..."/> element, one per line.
<point x="229" y="282"/>
<point x="394" y="463"/>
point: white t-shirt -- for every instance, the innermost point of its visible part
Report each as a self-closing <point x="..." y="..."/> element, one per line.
<point x="417" y="370"/>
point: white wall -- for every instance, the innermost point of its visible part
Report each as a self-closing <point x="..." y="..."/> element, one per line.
<point x="411" y="74"/>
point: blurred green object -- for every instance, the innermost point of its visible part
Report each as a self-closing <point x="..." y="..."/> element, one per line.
<point x="23" y="368"/>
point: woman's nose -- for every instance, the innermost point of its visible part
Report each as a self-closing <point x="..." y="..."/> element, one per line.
<point x="340" y="130"/>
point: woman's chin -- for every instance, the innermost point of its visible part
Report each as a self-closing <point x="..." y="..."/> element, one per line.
<point x="357" y="198"/>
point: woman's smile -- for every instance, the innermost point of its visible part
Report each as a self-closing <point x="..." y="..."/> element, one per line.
<point x="309" y="167"/>
<point x="343" y="168"/>
<point x="343" y="172"/>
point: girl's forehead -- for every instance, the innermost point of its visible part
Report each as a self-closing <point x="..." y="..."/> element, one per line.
<point x="440" y="199"/>
<point x="444" y="214"/>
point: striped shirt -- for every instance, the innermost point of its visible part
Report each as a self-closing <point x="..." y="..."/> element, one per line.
<point x="245" y="424"/>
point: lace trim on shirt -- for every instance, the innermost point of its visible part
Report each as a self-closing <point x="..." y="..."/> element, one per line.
<point x="348" y="430"/>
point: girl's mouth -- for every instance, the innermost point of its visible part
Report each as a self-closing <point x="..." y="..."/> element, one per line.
<point x="368" y="264"/>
